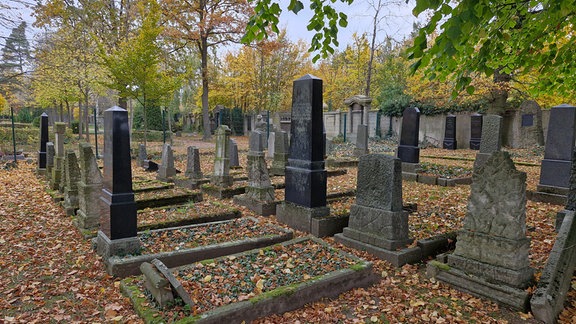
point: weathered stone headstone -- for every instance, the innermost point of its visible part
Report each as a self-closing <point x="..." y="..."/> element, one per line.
<point x="142" y="155"/>
<point x="306" y="178"/>
<point x="361" y="141"/>
<point x="525" y="126"/>
<point x="221" y="176"/>
<point x="233" y="154"/>
<point x="72" y="171"/>
<point x="491" y="256"/>
<point x="378" y="224"/>
<point x="118" y="221"/>
<point x="193" y="170"/>
<point x="408" y="150"/>
<point x="271" y="145"/>
<point x="557" y="162"/>
<point x="89" y="189"/>
<point x="280" y="153"/>
<point x="50" y="152"/>
<point x="59" y="130"/>
<point x="166" y="171"/>
<point x="450" y="142"/>
<point x="491" y="139"/>
<point x="475" y="131"/>
<point x="259" y="195"/>
<point x="43" y="140"/>
<point x="262" y="126"/>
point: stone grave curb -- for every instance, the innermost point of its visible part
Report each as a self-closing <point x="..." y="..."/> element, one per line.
<point x="160" y="185"/>
<point x="222" y="193"/>
<point x="328" y="226"/>
<point x="397" y="258"/>
<point x="546" y="197"/>
<point x="189" y="183"/>
<point x="194" y="196"/>
<point x="504" y="295"/>
<point x="433" y="180"/>
<point x="341" y="163"/>
<point x="277" y="301"/>
<point x="548" y="299"/>
<point x="128" y="266"/>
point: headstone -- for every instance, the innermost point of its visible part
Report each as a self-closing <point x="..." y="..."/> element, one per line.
<point x="529" y="133"/>
<point x="271" y="142"/>
<point x="43" y="141"/>
<point x="329" y="147"/>
<point x="378" y="223"/>
<point x="491" y="139"/>
<point x="259" y="195"/>
<point x="557" y="162"/>
<point x="59" y="130"/>
<point x="408" y="150"/>
<point x="361" y="141"/>
<point x="571" y="195"/>
<point x="72" y="171"/>
<point x="118" y="221"/>
<point x="262" y="126"/>
<point x="50" y="152"/>
<point x="450" y="142"/>
<point x="150" y="166"/>
<point x="280" y="153"/>
<point x="89" y="189"/>
<point x="193" y="170"/>
<point x="221" y="176"/>
<point x="306" y="178"/>
<point x="142" y="155"/>
<point x="475" y="131"/>
<point x="491" y="255"/>
<point x="166" y="171"/>
<point x="233" y="154"/>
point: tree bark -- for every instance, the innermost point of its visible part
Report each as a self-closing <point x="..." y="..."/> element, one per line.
<point x="205" y="113"/>
<point x="499" y="94"/>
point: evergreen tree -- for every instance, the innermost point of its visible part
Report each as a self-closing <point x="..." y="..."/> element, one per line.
<point x="13" y="66"/>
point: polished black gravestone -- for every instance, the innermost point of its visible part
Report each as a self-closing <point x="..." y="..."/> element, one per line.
<point x="475" y="131"/>
<point x="118" y="222"/>
<point x="450" y="142"/>
<point x="43" y="141"/>
<point x="408" y="150"/>
<point x="306" y="177"/>
<point x="556" y="166"/>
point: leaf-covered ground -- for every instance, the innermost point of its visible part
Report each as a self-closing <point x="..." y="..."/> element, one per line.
<point x="49" y="273"/>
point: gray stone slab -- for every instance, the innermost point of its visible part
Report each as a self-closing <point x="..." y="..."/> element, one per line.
<point x="397" y="258"/>
<point x="173" y="281"/>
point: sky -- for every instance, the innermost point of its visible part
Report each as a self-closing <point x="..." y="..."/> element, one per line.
<point x="397" y="20"/>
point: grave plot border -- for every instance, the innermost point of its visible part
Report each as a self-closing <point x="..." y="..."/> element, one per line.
<point x="194" y="196"/>
<point x="277" y="301"/>
<point x="130" y="265"/>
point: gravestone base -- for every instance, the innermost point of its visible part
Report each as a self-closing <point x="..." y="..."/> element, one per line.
<point x="299" y="217"/>
<point x="41" y="172"/>
<point x="188" y="183"/>
<point x="48" y="173"/>
<point x="165" y="179"/>
<point x="481" y="158"/>
<point x="56" y="178"/>
<point x="520" y="279"/>
<point x="410" y="171"/>
<point x="502" y="294"/>
<point x="398" y="258"/>
<point x="222" y="193"/>
<point x="262" y="208"/>
<point x="475" y="144"/>
<point x="222" y="181"/>
<point x="555" y="174"/>
<point x="409" y="154"/>
<point x="378" y="227"/>
<point x="70" y="202"/>
<point x="108" y="248"/>
<point x="450" y="144"/>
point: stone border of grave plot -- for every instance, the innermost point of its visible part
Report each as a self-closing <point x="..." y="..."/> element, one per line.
<point x="206" y="218"/>
<point x="194" y="196"/>
<point x="160" y="185"/>
<point x="277" y="301"/>
<point x="130" y="265"/>
<point x="222" y="193"/>
<point x="436" y="181"/>
<point x="546" y="197"/>
<point x="184" y="182"/>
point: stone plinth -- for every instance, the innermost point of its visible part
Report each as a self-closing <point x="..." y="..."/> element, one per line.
<point x="89" y="190"/>
<point x="166" y="171"/>
<point x="221" y="176"/>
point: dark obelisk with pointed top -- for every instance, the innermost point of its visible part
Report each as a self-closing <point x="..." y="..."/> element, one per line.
<point x="118" y="225"/>
<point x="43" y="141"/>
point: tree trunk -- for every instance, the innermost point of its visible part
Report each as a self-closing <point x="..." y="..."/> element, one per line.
<point x="80" y="123"/>
<point x="69" y="114"/>
<point x="499" y="94"/>
<point x="61" y="111"/>
<point x="205" y="113"/>
<point x="86" y="116"/>
<point x="145" y="120"/>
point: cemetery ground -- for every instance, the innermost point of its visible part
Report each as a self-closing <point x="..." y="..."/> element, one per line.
<point x="49" y="272"/>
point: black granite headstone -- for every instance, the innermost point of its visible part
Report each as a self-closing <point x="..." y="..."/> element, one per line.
<point x="43" y="141"/>
<point x="450" y="142"/>
<point x="118" y="218"/>
<point x="556" y="166"/>
<point x="475" y="131"/>
<point x="305" y="173"/>
<point x="408" y="150"/>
